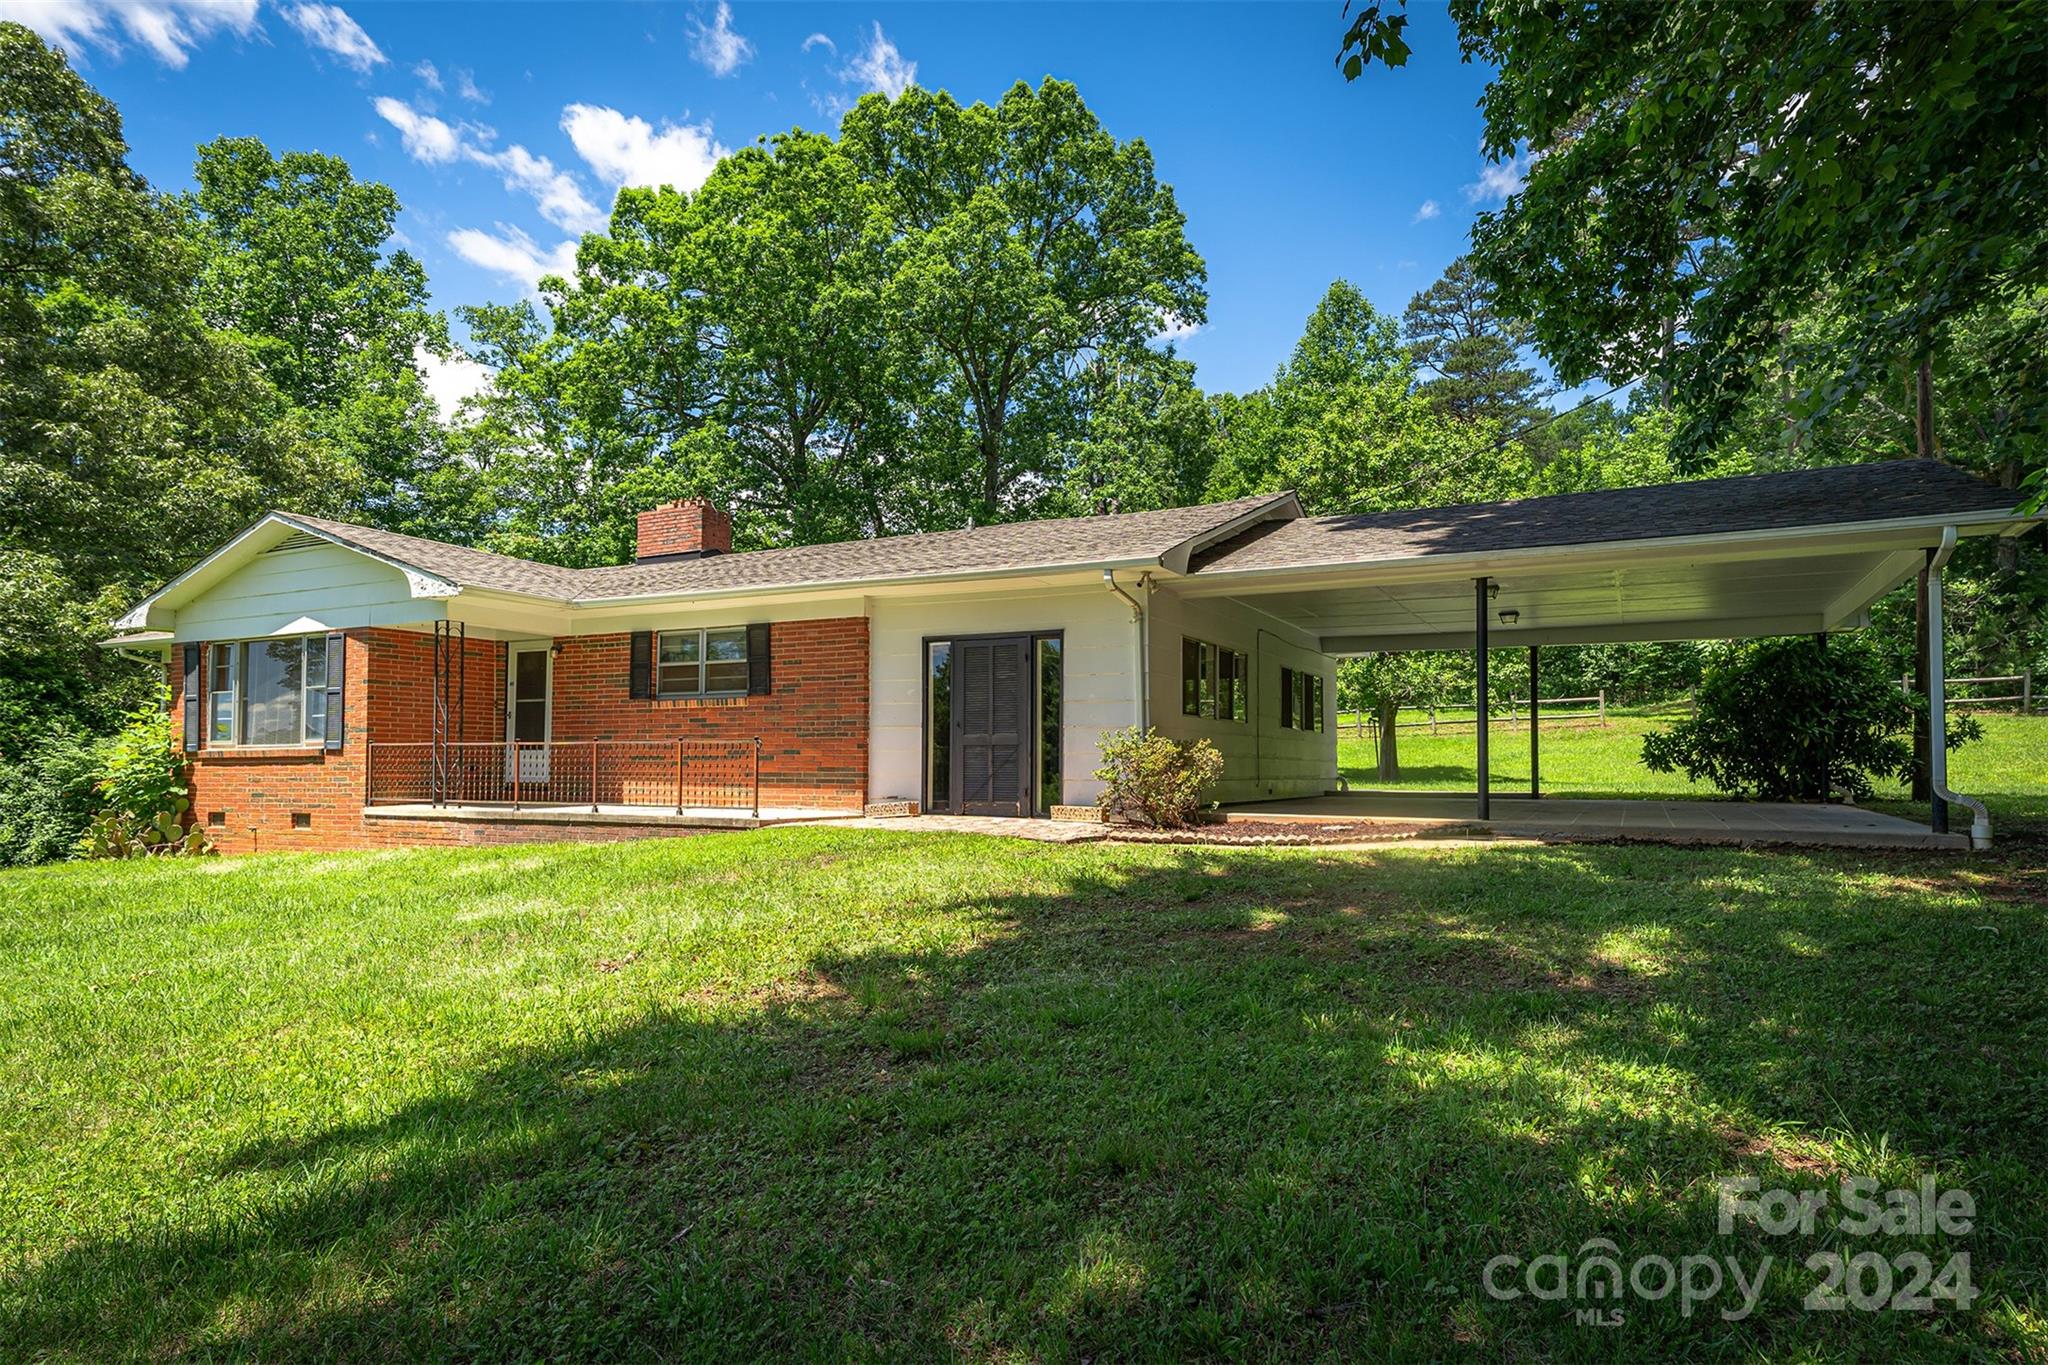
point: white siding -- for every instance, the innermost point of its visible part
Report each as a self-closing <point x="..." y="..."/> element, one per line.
<point x="1260" y="760"/>
<point x="1100" y="658"/>
<point x="289" y="592"/>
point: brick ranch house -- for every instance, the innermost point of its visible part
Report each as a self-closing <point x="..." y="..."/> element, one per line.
<point x="338" y="686"/>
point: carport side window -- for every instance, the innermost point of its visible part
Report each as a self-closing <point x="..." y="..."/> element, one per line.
<point x="1212" y="681"/>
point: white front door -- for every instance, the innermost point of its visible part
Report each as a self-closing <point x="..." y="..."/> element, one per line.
<point x="529" y="709"/>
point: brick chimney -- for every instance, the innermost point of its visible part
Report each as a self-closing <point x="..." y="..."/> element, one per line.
<point x="689" y="528"/>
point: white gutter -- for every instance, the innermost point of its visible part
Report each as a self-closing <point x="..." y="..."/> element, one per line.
<point x="1937" y="700"/>
<point x="1143" y="636"/>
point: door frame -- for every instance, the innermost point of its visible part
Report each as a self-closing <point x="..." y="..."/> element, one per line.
<point x="1035" y="705"/>
<point x="529" y="772"/>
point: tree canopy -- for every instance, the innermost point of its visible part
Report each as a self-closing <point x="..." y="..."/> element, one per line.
<point x="1701" y="175"/>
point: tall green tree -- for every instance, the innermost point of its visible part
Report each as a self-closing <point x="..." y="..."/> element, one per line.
<point x="730" y="344"/>
<point x="1026" y="239"/>
<point x="1473" y="361"/>
<point x="1147" y="440"/>
<point x="132" y="435"/>
<point x="1343" y="425"/>
<point x="1700" y="174"/>
<point x="295" y="256"/>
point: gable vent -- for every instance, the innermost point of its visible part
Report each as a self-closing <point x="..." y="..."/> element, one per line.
<point x="297" y="540"/>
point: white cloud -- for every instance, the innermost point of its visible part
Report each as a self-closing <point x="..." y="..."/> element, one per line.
<point x="1499" y="179"/>
<point x="426" y="138"/>
<point x="437" y="142"/>
<point x="880" y="66"/>
<point x="1173" y="328"/>
<point x="467" y="88"/>
<point x="561" y="199"/>
<point x="625" y="150"/>
<point x="1430" y="209"/>
<point x="510" y="253"/>
<point x="717" y="47"/>
<point x="170" y="29"/>
<point x="429" y="75"/>
<point x="451" y="380"/>
<point x="329" y="28"/>
<point x="820" y="40"/>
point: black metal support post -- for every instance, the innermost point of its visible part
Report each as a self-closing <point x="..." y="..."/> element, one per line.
<point x="1934" y="662"/>
<point x="1535" y="724"/>
<point x="1827" y="734"/>
<point x="1479" y="644"/>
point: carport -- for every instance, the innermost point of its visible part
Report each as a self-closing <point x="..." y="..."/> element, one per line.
<point x="1796" y="552"/>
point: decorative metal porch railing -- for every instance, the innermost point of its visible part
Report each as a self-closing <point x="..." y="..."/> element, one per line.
<point x="569" y="774"/>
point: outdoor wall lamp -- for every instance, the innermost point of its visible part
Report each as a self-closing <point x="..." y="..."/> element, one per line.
<point x="1509" y="616"/>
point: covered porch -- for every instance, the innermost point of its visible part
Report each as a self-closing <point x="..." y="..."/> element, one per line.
<point x="1807" y="553"/>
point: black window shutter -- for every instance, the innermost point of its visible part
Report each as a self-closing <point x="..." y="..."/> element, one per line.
<point x="337" y="651"/>
<point x="760" y="665"/>
<point x="640" y="677"/>
<point x="1287" y="699"/>
<point x="195" y="656"/>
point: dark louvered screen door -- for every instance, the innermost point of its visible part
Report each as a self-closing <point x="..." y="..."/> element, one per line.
<point x="991" y="725"/>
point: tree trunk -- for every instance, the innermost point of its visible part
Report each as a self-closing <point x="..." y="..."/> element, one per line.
<point x="1390" y="755"/>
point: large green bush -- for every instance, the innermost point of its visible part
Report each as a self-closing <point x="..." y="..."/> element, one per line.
<point x="47" y="797"/>
<point x="142" y="791"/>
<point x="1154" y="780"/>
<point x="1775" y="714"/>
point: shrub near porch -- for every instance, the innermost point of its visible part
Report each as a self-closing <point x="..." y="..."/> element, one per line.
<point x="810" y="1091"/>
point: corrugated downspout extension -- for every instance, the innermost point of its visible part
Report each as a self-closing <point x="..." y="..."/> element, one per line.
<point x="1937" y="701"/>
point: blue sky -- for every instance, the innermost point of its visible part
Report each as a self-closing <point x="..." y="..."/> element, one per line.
<point x="505" y="127"/>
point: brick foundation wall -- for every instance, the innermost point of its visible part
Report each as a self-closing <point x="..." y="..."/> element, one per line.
<point x="813" y="726"/>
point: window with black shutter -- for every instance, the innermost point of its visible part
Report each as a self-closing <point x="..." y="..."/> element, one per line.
<point x="760" y="670"/>
<point x="640" y="671"/>
<point x="193" y="654"/>
<point x="336" y="651"/>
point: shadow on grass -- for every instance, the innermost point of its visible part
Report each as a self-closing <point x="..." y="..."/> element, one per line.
<point x="1190" y="1104"/>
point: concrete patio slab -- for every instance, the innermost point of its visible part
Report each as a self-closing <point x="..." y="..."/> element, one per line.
<point x="1678" y="822"/>
<point x="1009" y="827"/>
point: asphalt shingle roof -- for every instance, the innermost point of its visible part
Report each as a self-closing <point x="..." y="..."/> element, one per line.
<point x="1013" y="546"/>
<point x="1840" y="495"/>
<point x="1795" y="498"/>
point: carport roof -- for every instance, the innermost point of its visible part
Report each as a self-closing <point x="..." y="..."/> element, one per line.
<point x="1798" y="499"/>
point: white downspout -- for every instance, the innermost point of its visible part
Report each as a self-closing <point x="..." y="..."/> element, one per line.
<point x="1143" y="635"/>
<point x="1937" y="700"/>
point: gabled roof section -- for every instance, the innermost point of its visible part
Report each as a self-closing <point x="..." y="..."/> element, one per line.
<point x="1889" y="491"/>
<point x="458" y="564"/>
<point x="435" y="568"/>
<point x="271" y="532"/>
<point x="1128" y="538"/>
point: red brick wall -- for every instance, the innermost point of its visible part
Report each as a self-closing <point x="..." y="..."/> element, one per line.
<point x="813" y="727"/>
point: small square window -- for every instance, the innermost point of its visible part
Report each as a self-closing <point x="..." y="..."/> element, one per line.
<point x="217" y="818"/>
<point x="302" y="819"/>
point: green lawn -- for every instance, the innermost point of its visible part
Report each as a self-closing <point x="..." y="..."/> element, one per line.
<point x="842" y="1093"/>
<point x="2009" y="764"/>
